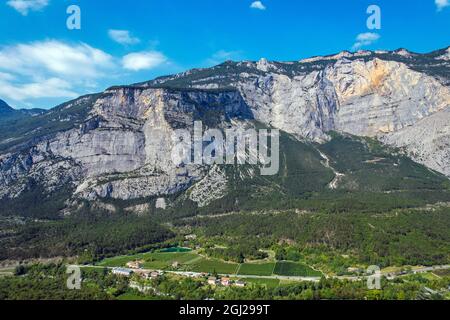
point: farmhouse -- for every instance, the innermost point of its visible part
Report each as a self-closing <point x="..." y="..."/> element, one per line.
<point x="212" y="281"/>
<point x="134" y="264"/>
<point x="122" y="272"/>
<point x="225" y="282"/>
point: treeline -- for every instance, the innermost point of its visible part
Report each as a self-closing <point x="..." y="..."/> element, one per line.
<point x="90" y="236"/>
<point x="394" y="238"/>
<point x="49" y="282"/>
<point x="237" y="253"/>
<point x="410" y="288"/>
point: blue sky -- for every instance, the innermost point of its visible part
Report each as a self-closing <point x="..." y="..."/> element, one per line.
<point x="43" y="63"/>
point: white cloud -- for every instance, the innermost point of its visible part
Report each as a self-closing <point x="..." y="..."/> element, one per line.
<point x="6" y="76"/>
<point x="441" y="4"/>
<point x="258" y="5"/>
<point x="137" y="61"/>
<point x="24" y="6"/>
<point x="57" y="69"/>
<point x="123" y="37"/>
<point x="365" y="39"/>
<point x="55" y="58"/>
<point x="51" y="68"/>
<point x="48" y="88"/>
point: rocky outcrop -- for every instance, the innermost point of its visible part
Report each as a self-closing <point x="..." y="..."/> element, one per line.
<point x="365" y="98"/>
<point x="211" y="188"/>
<point x="427" y="142"/>
<point x="118" y="144"/>
<point x="305" y="105"/>
<point x="379" y="97"/>
<point x="123" y="148"/>
<point x="392" y="96"/>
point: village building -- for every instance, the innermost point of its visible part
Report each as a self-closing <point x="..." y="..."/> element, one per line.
<point x="212" y="281"/>
<point x="122" y="272"/>
<point x="226" y="282"/>
<point x="135" y="264"/>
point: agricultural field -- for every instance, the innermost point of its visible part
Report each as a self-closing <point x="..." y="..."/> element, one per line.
<point x="442" y="273"/>
<point x="157" y="260"/>
<point x="214" y="265"/>
<point x="268" y="283"/>
<point x="430" y="276"/>
<point x="257" y="269"/>
<point x="119" y="261"/>
<point x="193" y="262"/>
<point x="165" y="260"/>
<point x="294" y="269"/>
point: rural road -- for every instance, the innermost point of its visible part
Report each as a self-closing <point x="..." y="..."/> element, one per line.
<point x="399" y="273"/>
<point x="291" y="278"/>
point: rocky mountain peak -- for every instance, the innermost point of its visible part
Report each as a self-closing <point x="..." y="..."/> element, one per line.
<point x="446" y="55"/>
<point x="263" y="65"/>
<point x="404" y="53"/>
<point x="117" y="144"/>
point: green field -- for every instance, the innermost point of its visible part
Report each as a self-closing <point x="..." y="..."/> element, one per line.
<point x="213" y="265"/>
<point x="191" y="261"/>
<point x="293" y="269"/>
<point x="269" y="283"/>
<point x="119" y="261"/>
<point x="165" y="260"/>
<point x="257" y="269"/>
<point x="158" y="260"/>
<point x="442" y="273"/>
<point x="187" y="261"/>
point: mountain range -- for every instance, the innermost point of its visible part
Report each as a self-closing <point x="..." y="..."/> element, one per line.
<point x="356" y="127"/>
<point x="7" y="112"/>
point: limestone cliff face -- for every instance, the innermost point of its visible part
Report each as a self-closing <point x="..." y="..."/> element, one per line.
<point x="123" y="148"/>
<point x="396" y="97"/>
<point x="427" y="142"/>
<point x="365" y="98"/>
<point x="121" y="145"/>
<point x="304" y="105"/>
<point x="379" y="97"/>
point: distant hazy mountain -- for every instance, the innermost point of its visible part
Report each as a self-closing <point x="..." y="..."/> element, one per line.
<point x="7" y="112"/>
<point x="334" y="112"/>
<point x="5" y="108"/>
